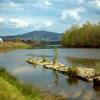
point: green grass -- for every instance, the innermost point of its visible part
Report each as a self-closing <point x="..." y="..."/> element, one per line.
<point x="55" y="59"/>
<point x="72" y="71"/>
<point x="97" y="67"/>
<point x="14" y="45"/>
<point x="44" y="59"/>
<point x="9" y="92"/>
<point x="12" y="89"/>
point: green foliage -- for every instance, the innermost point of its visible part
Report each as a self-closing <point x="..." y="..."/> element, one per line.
<point x="97" y="67"/>
<point x="14" y="45"/>
<point x="26" y="91"/>
<point x="55" y="56"/>
<point x="44" y="59"/>
<point x="17" y="39"/>
<point x="87" y="35"/>
<point x="12" y="89"/>
<point x="72" y="71"/>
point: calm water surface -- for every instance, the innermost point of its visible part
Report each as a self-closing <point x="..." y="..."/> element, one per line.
<point x="72" y="89"/>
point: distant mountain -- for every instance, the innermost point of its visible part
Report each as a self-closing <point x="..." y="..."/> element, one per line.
<point x="37" y="35"/>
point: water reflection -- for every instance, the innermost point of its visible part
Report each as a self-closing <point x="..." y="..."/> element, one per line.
<point x="52" y="80"/>
<point x="72" y="80"/>
<point x="82" y="61"/>
<point x="96" y="88"/>
<point x="56" y="78"/>
<point x="39" y="55"/>
<point x="22" y="69"/>
<point x="34" y="66"/>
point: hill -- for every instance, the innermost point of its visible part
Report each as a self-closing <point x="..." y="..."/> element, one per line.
<point x="37" y="35"/>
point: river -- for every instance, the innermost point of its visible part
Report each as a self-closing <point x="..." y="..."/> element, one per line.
<point x="49" y="80"/>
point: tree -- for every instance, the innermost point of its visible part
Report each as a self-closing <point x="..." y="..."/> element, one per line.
<point x="87" y="35"/>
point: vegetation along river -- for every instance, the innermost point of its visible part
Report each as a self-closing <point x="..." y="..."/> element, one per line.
<point x="49" y="80"/>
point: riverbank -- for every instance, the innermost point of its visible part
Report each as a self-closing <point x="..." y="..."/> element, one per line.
<point x="11" y="88"/>
<point x="14" y="45"/>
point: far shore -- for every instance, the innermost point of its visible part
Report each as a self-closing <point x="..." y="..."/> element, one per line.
<point x="6" y="46"/>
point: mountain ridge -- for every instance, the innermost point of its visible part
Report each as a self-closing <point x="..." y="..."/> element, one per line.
<point x="37" y="35"/>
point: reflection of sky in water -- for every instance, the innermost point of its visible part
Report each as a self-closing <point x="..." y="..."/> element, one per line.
<point x="49" y="79"/>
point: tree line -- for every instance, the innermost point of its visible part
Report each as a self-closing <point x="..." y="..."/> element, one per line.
<point x="87" y="35"/>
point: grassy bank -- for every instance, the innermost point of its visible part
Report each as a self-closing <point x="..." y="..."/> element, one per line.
<point x="19" y="45"/>
<point x="12" y="89"/>
<point x="14" y="45"/>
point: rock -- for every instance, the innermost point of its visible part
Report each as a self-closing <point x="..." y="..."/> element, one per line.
<point x="80" y="72"/>
<point x="86" y="73"/>
<point x="61" y="65"/>
<point x="96" y="80"/>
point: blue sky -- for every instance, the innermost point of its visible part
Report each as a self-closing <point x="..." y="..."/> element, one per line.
<point x="22" y="16"/>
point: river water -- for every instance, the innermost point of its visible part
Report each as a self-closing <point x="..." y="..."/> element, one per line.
<point x="49" y="80"/>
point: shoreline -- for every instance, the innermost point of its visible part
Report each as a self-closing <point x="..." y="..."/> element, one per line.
<point x="25" y="91"/>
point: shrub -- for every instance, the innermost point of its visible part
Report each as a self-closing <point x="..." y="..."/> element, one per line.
<point x="44" y="59"/>
<point x="72" y="71"/>
<point x="55" y="56"/>
<point x="97" y="67"/>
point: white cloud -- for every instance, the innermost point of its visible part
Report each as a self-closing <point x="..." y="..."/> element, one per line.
<point x="46" y="4"/>
<point x="49" y="23"/>
<point x="80" y="1"/>
<point x="2" y="19"/>
<point x="11" y="5"/>
<point x="39" y="24"/>
<point x="96" y="3"/>
<point x="27" y="22"/>
<point x="72" y="13"/>
<point x="19" y="23"/>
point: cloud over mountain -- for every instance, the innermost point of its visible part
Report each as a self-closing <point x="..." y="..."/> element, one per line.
<point x="20" y="16"/>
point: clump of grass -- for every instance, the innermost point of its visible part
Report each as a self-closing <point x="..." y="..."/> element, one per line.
<point x="8" y="77"/>
<point x="44" y="59"/>
<point x="72" y="71"/>
<point x="97" y="67"/>
<point x="55" y="56"/>
<point x="27" y="91"/>
<point x="14" y="45"/>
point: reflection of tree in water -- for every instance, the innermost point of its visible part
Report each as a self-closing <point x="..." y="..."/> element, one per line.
<point x="44" y="69"/>
<point x="56" y="77"/>
<point x="81" y="61"/>
<point x="34" y="66"/>
<point x="72" y="80"/>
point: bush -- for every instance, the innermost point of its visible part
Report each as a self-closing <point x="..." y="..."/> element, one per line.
<point x="72" y="71"/>
<point x="44" y="59"/>
<point x="55" y="56"/>
<point x="97" y="67"/>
